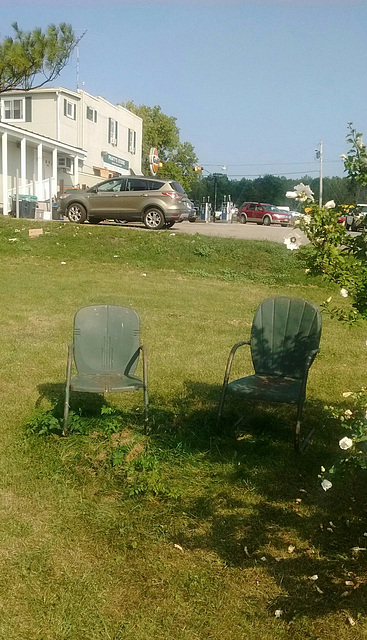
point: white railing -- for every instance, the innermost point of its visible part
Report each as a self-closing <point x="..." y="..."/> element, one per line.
<point x="41" y="189"/>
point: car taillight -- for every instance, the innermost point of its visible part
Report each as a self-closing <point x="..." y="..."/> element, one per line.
<point x="171" y="194"/>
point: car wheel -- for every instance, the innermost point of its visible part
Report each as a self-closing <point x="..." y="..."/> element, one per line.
<point x="192" y="219"/>
<point x="94" y="220"/>
<point x="266" y="221"/>
<point x="76" y="213"/>
<point x="169" y="224"/>
<point x="284" y="225"/>
<point x="154" y="219"/>
<point x="243" y="219"/>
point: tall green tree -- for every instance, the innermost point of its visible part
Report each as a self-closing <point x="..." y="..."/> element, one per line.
<point x="161" y="131"/>
<point x="30" y="59"/>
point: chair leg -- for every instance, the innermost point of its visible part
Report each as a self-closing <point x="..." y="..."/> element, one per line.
<point x="299" y="444"/>
<point x="297" y="433"/>
<point x="67" y="389"/>
<point x="146" y="394"/>
<point x="221" y="401"/>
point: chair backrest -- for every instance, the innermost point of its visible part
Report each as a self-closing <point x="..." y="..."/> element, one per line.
<point x="106" y="339"/>
<point x="283" y="333"/>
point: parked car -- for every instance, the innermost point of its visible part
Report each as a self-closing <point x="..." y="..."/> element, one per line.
<point x="355" y="217"/>
<point x="263" y="214"/>
<point x="157" y="202"/>
<point x="194" y="212"/>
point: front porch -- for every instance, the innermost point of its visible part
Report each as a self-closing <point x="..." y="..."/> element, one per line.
<point x="35" y="165"/>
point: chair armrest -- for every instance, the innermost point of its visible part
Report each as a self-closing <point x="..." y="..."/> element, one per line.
<point x="309" y="360"/>
<point x="226" y="376"/>
<point x="69" y="363"/>
<point x="231" y="356"/>
<point x="144" y="353"/>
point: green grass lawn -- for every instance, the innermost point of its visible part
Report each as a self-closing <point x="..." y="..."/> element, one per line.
<point x="188" y="533"/>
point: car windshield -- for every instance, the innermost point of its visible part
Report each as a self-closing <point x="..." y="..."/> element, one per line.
<point x="177" y="187"/>
<point x="270" y="207"/>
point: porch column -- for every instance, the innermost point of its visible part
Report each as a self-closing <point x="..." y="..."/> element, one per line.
<point x="76" y="170"/>
<point x="39" y="162"/>
<point x="23" y="165"/>
<point x="4" y="158"/>
<point x="54" y="173"/>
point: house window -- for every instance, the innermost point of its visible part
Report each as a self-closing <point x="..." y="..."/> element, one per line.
<point x="13" y="109"/>
<point x="69" y="109"/>
<point x="91" y="114"/>
<point x="131" y="140"/>
<point x="112" y="131"/>
<point x="64" y="162"/>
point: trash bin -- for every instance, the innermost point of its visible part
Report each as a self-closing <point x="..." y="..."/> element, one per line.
<point x="27" y="206"/>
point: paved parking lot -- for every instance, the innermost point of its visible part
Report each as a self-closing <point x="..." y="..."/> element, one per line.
<point x="274" y="233"/>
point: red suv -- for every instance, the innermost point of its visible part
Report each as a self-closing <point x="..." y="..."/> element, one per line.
<point x="263" y="214"/>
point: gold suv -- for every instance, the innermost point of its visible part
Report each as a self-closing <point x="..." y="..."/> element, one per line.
<point x="157" y="202"/>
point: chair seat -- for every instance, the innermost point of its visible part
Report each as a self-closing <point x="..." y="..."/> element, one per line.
<point x="268" y="388"/>
<point x="107" y="382"/>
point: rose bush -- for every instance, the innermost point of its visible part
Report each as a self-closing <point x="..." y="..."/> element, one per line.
<point x="353" y="446"/>
<point x="342" y="259"/>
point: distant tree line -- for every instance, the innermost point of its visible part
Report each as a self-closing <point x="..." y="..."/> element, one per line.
<point x="272" y="189"/>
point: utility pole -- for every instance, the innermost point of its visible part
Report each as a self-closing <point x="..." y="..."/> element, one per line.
<point x="319" y="157"/>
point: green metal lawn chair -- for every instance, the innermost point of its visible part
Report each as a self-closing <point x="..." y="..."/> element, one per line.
<point x="285" y="339"/>
<point x="106" y="351"/>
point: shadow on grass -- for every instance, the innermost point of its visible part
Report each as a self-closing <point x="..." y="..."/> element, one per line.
<point x="270" y="500"/>
<point x="265" y="510"/>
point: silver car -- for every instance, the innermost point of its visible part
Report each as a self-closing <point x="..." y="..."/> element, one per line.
<point x="157" y="202"/>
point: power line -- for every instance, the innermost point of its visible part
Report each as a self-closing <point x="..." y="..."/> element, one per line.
<point x="269" y="164"/>
<point x="258" y="175"/>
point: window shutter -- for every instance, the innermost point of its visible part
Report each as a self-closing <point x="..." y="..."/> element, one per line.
<point x="109" y="129"/>
<point x="65" y="107"/>
<point x="116" y="129"/>
<point x="28" y="109"/>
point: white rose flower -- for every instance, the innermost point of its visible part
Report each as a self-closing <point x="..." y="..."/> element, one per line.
<point x="348" y="413"/>
<point x="326" y="485"/>
<point x="291" y="194"/>
<point x="344" y="292"/>
<point x="291" y="243"/>
<point x="345" y="443"/>
<point x="343" y="156"/>
<point x="330" y="204"/>
<point x="359" y="143"/>
<point x="303" y="192"/>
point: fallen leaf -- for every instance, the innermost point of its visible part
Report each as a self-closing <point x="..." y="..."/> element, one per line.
<point x="178" y="546"/>
<point x="351" y="621"/>
<point x="314" y="577"/>
<point x="278" y="613"/>
<point x="320" y="591"/>
<point x="291" y="548"/>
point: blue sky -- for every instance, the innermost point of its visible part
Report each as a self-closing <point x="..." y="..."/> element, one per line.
<point x="254" y="85"/>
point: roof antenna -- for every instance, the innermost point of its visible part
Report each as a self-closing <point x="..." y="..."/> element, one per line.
<point x="77" y="68"/>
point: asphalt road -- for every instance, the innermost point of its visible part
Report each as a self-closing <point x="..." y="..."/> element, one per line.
<point x="249" y="231"/>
